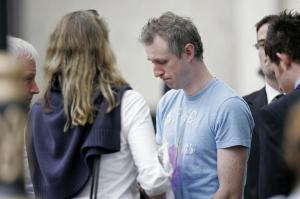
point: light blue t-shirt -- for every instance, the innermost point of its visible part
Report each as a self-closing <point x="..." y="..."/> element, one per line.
<point x="195" y="127"/>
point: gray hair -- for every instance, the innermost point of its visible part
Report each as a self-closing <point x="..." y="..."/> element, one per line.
<point x="21" y="48"/>
<point x="176" y="30"/>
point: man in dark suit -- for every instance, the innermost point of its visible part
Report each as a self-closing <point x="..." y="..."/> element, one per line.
<point x="282" y="46"/>
<point x="256" y="101"/>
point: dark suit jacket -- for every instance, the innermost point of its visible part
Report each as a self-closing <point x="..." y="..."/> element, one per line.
<point x="256" y="101"/>
<point x="274" y="175"/>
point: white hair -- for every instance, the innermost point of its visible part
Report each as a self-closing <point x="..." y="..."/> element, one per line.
<point x="21" y="48"/>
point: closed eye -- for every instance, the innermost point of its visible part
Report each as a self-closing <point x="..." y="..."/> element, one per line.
<point x="28" y="78"/>
<point x="161" y="62"/>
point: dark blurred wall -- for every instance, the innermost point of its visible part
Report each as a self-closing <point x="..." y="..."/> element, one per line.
<point x="14" y="17"/>
<point x="3" y="24"/>
<point x="9" y="20"/>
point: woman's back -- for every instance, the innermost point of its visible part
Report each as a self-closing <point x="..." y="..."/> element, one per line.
<point x="137" y="159"/>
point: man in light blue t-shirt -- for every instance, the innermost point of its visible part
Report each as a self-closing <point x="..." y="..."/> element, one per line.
<point x="206" y="125"/>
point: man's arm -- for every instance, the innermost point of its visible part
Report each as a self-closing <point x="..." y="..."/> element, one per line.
<point x="231" y="168"/>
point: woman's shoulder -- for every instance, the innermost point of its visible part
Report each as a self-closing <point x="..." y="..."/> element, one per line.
<point x="133" y="98"/>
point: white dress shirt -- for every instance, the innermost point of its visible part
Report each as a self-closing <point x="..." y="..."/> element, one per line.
<point x="271" y="93"/>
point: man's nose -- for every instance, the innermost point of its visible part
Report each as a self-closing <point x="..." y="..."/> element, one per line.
<point x="34" y="89"/>
<point x="158" y="71"/>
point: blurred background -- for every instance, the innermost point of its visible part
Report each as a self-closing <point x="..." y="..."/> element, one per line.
<point x="227" y="29"/>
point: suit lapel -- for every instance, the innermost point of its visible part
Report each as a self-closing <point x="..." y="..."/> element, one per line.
<point x="260" y="100"/>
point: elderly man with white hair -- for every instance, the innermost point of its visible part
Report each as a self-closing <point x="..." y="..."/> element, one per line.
<point x="28" y="55"/>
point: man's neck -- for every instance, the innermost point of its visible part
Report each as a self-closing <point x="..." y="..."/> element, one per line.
<point x="201" y="77"/>
<point x="272" y="83"/>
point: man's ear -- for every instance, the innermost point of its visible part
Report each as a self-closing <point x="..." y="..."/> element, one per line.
<point x="285" y="59"/>
<point x="189" y="50"/>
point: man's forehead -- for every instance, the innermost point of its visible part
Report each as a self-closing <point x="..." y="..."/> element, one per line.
<point x="262" y="32"/>
<point x="159" y="49"/>
<point x="151" y="56"/>
<point x="27" y="61"/>
<point x="160" y="42"/>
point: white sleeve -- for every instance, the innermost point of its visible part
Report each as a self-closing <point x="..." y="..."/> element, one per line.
<point x="141" y="139"/>
<point x="27" y="178"/>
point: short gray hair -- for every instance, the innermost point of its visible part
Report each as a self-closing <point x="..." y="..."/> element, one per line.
<point x="21" y="48"/>
<point x="176" y="30"/>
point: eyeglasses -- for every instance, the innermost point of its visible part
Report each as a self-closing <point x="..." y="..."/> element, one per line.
<point x="259" y="45"/>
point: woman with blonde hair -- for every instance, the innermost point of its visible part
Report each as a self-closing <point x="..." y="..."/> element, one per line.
<point x="89" y="111"/>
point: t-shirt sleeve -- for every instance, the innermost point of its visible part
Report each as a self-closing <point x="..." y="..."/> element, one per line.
<point x="233" y="124"/>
